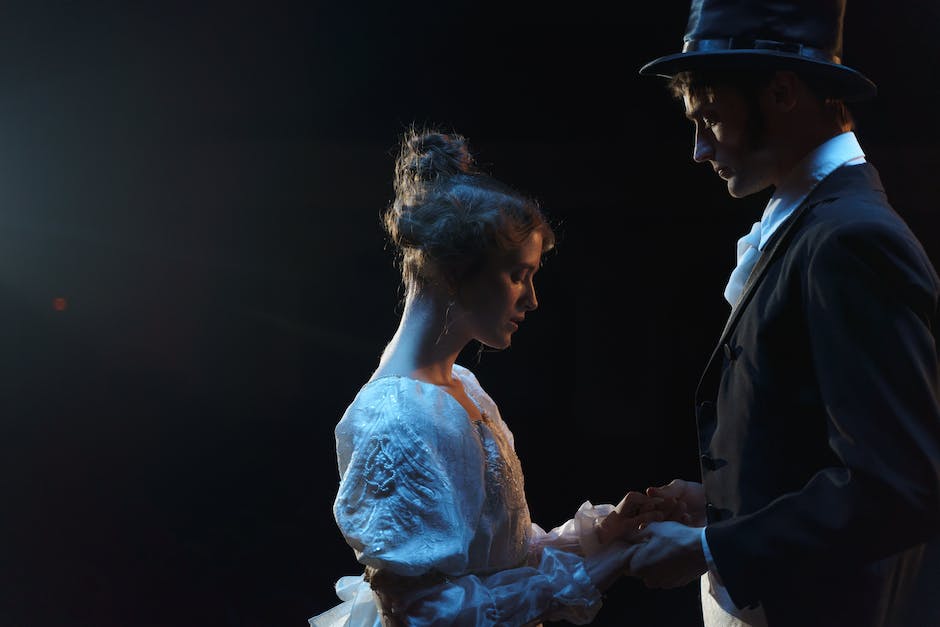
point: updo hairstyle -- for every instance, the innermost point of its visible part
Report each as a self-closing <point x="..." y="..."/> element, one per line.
<point x="448" y="217"/>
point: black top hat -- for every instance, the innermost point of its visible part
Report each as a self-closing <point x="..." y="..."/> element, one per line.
<point x="800" y="35"/>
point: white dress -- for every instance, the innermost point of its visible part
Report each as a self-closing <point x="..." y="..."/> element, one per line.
<point x="426" y="491"/>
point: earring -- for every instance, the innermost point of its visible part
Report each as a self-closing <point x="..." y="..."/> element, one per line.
<point x="447" y="322"/>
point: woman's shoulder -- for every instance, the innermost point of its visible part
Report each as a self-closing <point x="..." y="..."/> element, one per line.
<point x="475" y="389"/>
<point x="464" y="373"/>
<point x="379" y="400"/>
<point x="391" y="402"/>
<point x="468" y="378"/>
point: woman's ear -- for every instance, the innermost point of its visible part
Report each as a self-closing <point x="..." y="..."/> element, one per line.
<point x="445" y="283"/>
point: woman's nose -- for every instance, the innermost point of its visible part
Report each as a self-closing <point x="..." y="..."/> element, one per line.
<point x="531" y="301"/>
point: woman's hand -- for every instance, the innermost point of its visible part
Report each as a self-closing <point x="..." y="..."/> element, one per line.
<point x="687" y="499"/>
<point x="634" y="511"/>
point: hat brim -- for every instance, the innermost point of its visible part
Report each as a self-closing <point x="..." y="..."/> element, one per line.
<point x="842" y="81"/>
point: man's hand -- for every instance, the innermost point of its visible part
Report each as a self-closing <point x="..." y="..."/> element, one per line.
<point x="669" y="555"/>
<point x="689" y="500"/>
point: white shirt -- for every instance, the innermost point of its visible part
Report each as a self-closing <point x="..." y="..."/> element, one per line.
<point x="717" y="608"/>
<point x="843" y="149"/>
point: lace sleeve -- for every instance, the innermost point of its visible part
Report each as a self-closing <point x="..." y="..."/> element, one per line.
<point x="576" y="535"/>
<point x="557" y="588"/>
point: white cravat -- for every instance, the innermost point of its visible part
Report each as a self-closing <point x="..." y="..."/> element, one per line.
<point x="843" y="149"/>
<point x="747" y="254"/>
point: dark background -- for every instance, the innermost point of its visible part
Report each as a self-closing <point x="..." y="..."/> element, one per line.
<point x="202" y="184"/>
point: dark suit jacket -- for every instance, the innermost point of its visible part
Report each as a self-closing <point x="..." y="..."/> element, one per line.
<point x="819" y="420"/>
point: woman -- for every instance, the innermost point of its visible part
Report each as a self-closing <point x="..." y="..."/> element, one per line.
<point x="431" y="492"/>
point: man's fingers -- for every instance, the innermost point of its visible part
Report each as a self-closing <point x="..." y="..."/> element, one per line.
<point x="680" y="512"/>
<point x="640" y="521"/>
<point x="617" y="525"/>
<point x="648" y="517"/>
<point x="644" y="533"/>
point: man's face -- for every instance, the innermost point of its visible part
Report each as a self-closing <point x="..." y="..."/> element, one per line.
<point x="729" y="135"/>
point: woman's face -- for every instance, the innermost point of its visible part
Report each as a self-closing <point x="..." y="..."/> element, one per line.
<point x="497" y="297"/>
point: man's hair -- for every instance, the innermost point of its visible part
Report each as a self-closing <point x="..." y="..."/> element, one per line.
<point x="750" y="82"/>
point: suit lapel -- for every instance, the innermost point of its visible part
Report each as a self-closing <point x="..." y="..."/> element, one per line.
<point x="836" y="185"/>
<point x="776" y="246"/>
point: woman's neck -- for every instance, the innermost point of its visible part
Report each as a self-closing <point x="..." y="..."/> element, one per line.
<point x="425" y="345"/>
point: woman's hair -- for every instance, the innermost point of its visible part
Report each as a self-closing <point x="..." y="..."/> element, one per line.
<point x="448" y="216"/>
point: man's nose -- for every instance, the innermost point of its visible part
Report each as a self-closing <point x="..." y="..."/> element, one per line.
<point x="702" y="148"/>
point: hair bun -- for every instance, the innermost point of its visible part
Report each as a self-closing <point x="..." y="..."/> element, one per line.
<point x="448" y="215"/>
<point x="427" y="156"/>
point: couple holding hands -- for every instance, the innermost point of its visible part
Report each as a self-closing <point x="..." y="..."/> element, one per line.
<point x="818" y="413"/>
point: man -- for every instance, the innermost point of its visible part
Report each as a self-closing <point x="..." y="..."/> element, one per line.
<point x="819" y="412"/>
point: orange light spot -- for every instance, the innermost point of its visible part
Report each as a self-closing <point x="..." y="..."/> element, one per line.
<point x="59" y="304"/>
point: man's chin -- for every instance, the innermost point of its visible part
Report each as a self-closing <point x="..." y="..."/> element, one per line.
<point x="736" y="190"/>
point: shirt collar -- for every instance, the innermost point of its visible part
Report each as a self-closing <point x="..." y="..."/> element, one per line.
<point x="843" y="149"/>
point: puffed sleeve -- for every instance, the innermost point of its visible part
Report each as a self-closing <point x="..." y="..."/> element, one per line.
<point x="408" y="504"/>
<point x="401" y="505"/>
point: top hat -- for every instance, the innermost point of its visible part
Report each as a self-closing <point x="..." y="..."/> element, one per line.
<point x="800" y="35"/>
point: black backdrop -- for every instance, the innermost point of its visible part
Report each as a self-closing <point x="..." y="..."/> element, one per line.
<point x="202" y="184"/>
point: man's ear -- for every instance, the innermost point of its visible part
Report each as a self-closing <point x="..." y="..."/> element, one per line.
<point x="783" y="91"/>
